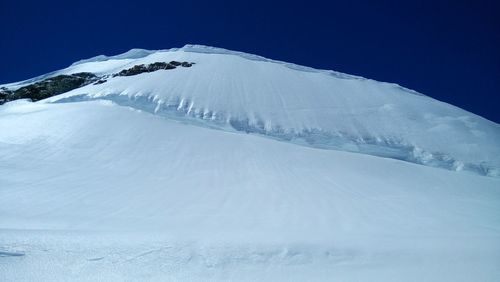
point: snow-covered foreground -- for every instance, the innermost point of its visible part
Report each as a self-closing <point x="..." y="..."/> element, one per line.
<point x="96" y="191"/>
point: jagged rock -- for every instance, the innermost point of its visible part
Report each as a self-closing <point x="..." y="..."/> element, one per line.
<point x="51" y="86"/>
<point x="160" y="66"/>
<point x="64" y="83"/>
<point x="3" y="96"/>
<point x="138" y="69"/>
<point x="100" y="81"/>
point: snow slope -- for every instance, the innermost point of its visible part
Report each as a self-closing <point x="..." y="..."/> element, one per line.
<point x="324" y="109"/>
<point x="153" y="177"/>
<point x="97" y="191"/>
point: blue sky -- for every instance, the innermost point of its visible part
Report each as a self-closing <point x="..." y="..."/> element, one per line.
<point x="448" y="50"/>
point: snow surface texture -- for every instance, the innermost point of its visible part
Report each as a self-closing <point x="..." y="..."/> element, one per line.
<point x="129" y="181"/>
<point x="97" y="191"/>
<point x="324" y="109"/>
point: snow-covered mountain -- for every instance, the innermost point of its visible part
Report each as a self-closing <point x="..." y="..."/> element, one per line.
<point x="323" y="109"/>
<point x="200" y="163"/>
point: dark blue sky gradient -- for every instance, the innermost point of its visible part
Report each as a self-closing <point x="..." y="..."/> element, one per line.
<point x="449" y="50"/>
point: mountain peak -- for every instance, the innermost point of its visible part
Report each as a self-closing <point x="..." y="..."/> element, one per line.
<point x="237" y="91"/>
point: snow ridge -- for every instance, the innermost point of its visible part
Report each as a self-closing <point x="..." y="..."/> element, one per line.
<point x="198" y="48"/>
<point x="242" y="92"/>
<point x="134" y="53"/>
<point x="137" y="53"/>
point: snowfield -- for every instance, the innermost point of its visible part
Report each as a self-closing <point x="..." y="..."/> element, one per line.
<point x="272" y="172"/>
<point x="96" y="191"/>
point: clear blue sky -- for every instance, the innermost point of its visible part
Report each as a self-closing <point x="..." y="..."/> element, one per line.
<point x="449" y="50"/>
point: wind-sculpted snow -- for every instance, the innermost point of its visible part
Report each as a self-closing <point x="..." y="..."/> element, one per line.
<point x="240" y="168"/>
<point x="214" y="50"/>
<point x="244" y="92"/>
<point x="388" y="146"/>
<point x="95" y="191"/>
<point x="131" y="54"/>
<point x="253" y="94"/>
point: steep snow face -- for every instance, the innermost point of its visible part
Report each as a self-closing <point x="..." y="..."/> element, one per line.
<point x="325" y="109"/>
<point x="96" y="191"/>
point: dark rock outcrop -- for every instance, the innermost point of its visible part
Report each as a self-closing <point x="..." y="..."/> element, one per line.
<point x="137" y="69"/>
<point x="4" y="94"/>
<point x="48" y="87"/>
<point x="63" y="83"/>
<point x="100" y="81"/>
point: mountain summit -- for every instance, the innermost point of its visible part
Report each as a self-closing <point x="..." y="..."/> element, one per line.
<point x="324" y="109"/>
